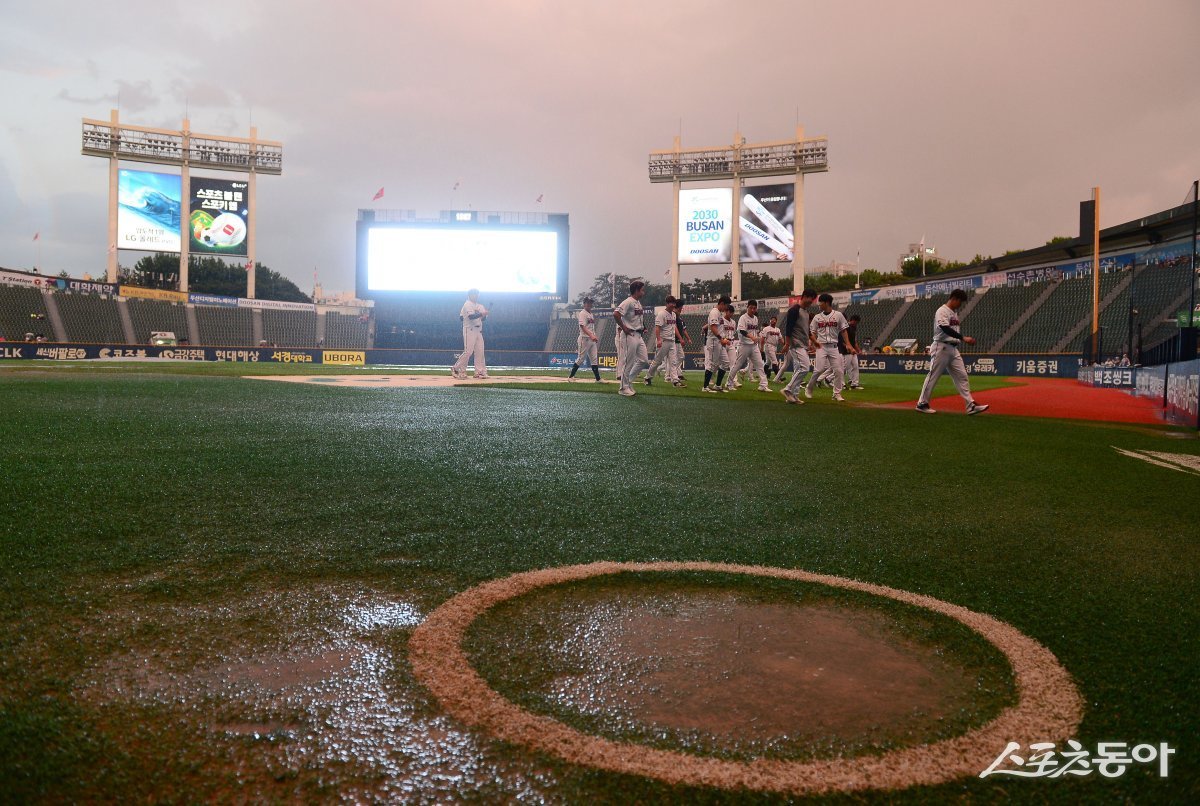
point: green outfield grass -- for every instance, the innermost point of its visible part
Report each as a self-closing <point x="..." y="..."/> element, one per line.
<point x="173" y="531"/>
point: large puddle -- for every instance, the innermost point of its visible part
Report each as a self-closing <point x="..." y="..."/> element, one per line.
<point x="718" y="669"/>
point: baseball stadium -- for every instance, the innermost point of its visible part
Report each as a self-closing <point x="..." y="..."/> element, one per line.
<point x="488" y="531"/>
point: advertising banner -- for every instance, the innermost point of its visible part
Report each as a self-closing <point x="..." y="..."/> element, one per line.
<point x="1183" y="393"/>
<point x="946" y="286"/>
<point x="219" y="216"/>
<point x="275" y="305"/>
<point x="20" y="278"/>
<point x="85" y="286"/>
<point x="153" y="293"/>
<point x="765" y="219"/>
<point x="61" y="283"/>
<point x="1113" y="377"/>
<point x="705" y="225"/>
<point x="213" y="299"/>
<point x="1151" y="382"/>
<point x="1006" y="365"/>
<point x="349" y="358"/>
<point x="148" y="207"/>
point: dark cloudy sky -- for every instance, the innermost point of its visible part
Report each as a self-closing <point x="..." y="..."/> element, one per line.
<point x="978" y="124"/>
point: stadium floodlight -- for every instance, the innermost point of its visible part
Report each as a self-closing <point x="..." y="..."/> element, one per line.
<point x="736" y="163"/>
<point x="117" y="141"/>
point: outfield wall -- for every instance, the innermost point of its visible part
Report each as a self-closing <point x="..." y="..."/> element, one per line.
<point x="1005" y="364"/>
<point x="1176" y="387"/>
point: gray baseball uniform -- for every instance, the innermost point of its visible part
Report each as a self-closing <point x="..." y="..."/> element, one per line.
<point x="798" y="336"/>
<point x="944" y="357"/>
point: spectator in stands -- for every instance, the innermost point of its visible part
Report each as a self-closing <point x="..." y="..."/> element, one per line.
<point x="1125" y="361"/>
<point x="41" y="338"/>
<point x="29" y="337"/>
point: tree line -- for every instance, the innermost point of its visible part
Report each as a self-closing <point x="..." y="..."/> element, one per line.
<point x="210" y="275"/>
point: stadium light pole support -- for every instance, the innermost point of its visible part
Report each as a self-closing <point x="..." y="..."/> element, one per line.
<point x="738" y="162"/>
<point x="1096" y="277"/>
<point x="185" y="219"/>
<point x="798" y="225"/>
<point x="112" y="140"/>
<point x="1195" y="226"/>
<point x="675" y="187"/>
<point x="735" y="251"/>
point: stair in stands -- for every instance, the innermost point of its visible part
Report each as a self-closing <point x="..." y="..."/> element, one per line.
<point x="886" y="333"/>
<point x="126" y="322"/>
<point x="55" y="317"/>
<point x="193" y="325"/>
<point x="1025" y="315"/>
<point x="320" y="330"/>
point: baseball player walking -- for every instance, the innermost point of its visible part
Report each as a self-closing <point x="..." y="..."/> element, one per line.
<point x="589" y="342"/>
<point x="749" y="345"/>
<point x="665" y="341"/>
<point x="629" y="316"/>
<point x="797" y="339"/>
<point x="850" y="359"/>
<point x="472" y="316"/>
<point x="771" y="336"/>
<point x="944" y="356"/>
<point x="730" y="338"/>
<point x="684" y="339"/>
<point x="715" y="357"/>
<point x="828" y="329"/>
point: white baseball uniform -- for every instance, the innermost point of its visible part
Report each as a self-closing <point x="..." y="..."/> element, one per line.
<point x="472" y="339"/>
<point x="944" y="357"/>
<point x="747" y="353"/>
<point x="588" y="349"/>
<point x="770" y="345"/>
<point x="664" y="321"/>
<point x="714" y="352"/>
<point x="826" y="329"/>
<point x="631" y="354"/>
<point x="729" y="333"/>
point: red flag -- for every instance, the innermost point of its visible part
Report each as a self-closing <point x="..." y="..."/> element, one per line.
<point x="378" y="195"/>
<point x="250" y="263"/>
<point x="539" y="198"/>
<point x="37" y="235"/>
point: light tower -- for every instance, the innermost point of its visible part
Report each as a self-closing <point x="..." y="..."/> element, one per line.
<point x="735" y="163"/>
<point x="118" y="141"/>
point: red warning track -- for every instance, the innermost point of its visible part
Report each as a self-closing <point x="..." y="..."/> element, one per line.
<point x="1064" y="398"/>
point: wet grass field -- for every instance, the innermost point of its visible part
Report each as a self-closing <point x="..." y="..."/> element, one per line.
<point x="207" y="583"/>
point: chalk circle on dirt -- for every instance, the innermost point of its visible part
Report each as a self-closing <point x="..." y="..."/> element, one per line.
<point x="1048" y="707"/>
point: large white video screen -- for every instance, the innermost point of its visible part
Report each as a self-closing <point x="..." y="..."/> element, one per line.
<point x="456" y="259"/>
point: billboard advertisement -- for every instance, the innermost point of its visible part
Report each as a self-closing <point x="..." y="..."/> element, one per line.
<point x="148" y="207"/>
<point x="765" y="223"/>
<point x="219" y="216"/>
<point x="705" y="225"/>
<point x="453" y="259"/>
